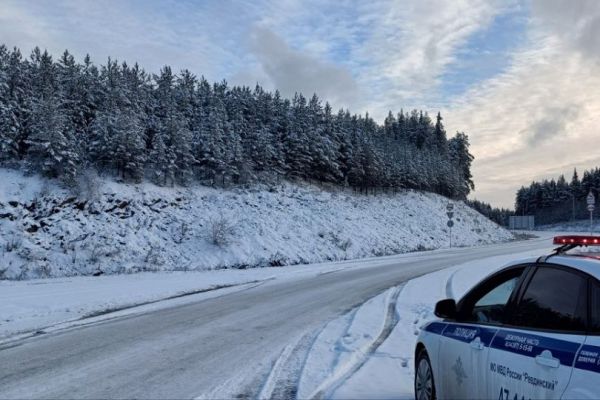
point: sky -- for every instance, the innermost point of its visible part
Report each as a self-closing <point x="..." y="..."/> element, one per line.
<point x="521" y="78"/>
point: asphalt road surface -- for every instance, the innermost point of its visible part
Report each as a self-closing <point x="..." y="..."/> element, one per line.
<point x="210" y="348"/>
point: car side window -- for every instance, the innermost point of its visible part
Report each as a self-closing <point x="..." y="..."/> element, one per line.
<point x="488" y="303"/>
<point x="555" y="299"/>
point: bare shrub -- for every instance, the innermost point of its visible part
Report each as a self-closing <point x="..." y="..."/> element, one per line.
<point x="221" y="231"/>
<point x="345" y="244"/>
<point x="23" y="272"/>
<point x="87" y="185"/>
<point x="181" y="232"/>
<point x="342" y="244"/>
<point x="154" y="255"/>
<point x="95" y="254"/>
<point x="13" y="243"/>
<point x="44" y="270"/>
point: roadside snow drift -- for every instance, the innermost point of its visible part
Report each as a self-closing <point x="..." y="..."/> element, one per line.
<point x="113" y="227"/>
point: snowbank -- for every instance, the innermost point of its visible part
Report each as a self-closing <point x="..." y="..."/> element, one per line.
<point x="123" y="228"/>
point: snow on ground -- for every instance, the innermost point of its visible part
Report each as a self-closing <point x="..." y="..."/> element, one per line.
<point x="355" y="356"/>
<point x="120" y="228"/>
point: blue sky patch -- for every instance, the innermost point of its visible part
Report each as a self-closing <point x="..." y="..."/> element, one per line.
<point x="487" y="53"/>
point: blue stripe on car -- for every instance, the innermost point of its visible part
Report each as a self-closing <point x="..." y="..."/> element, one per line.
<point x="532" y="345"/>
<point x="435" y="327"/>
<point x="467" y="333"/>
<point x="526" y="344"/>
<point x="588" y="358"/>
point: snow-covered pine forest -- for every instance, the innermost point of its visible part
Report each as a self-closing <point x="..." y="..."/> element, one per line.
<point x="61" y="118"/>
<point x="557" y="200"/>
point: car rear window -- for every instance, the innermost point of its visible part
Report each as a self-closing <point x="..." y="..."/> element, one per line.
<point x="555" y="299"/>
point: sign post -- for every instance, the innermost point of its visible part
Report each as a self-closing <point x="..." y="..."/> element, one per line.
<point x="591" y="205"/>
<point x="450" y="223"/>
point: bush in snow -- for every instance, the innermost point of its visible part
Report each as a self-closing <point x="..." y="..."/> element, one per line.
<point x="221" y="231"/>
<point x="181" y="231"/>
<point x="154" y="256"/>
<point x="12" y="243"/>
<point x="43" y="270"/>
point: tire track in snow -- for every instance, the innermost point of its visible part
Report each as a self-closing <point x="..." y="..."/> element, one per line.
<point x="283" y="380"/>
<point x="449" y="285"/>
<point x="361" y="356"/>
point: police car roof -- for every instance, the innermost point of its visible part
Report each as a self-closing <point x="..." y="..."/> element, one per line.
<point x="588" y="262"/>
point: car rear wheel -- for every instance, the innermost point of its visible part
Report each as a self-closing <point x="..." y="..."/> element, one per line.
<point x="424" y="386"/>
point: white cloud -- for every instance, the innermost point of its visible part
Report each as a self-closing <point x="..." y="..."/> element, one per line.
<point x="412" y="44"/>
<point x="541" y="117"/>
<point x="577" y="23"/>
<point x="292" y="71"/>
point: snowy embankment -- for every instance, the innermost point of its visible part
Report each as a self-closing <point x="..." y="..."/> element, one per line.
<point x="121" y="228"/>
<point x="369" y="352"/>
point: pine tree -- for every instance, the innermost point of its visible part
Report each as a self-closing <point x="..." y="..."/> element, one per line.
<point x="439" y="134"/>
<point x="8" y="123"/>
<point x="119" y="143"/>
<point x="212" y="142"/>
<point x="129" y="145"/>
<point x="181" y="140"/>
<point x="296" y="142"/>
<point x="575" y="185"/>
<point x="51" y="144"/>
<point x="324" y="157"/>
<point x="162" y="160"/>
<point x="460" y="156"/>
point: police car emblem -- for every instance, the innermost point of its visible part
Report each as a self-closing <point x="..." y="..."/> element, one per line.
<point x="459" y="370"/>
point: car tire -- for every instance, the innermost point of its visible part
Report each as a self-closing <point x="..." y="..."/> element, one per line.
<point x="424" y="383"/>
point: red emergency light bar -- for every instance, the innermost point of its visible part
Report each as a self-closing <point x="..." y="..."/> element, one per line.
<point x="577" y="240"/>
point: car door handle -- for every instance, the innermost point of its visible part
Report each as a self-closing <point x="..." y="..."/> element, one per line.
<point x="476" y="344"/>
<point x="547" y="360"/>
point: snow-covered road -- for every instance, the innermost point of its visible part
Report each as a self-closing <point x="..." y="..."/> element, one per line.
<point x="252" y="341"/>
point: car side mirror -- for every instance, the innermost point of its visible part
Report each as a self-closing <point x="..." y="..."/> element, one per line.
<point x="446" y="309"/>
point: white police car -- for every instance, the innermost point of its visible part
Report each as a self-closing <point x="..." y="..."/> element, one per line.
<point x="529" y="331"/>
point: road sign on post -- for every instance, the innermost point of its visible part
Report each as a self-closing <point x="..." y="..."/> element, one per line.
<point x="450" y="223"/>
<point x="591" y="202"/>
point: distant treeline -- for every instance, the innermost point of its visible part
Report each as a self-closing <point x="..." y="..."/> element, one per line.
<point x="498" y="215"/>
<point x="557" y="200"/>
<point x="60" y="117"/>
